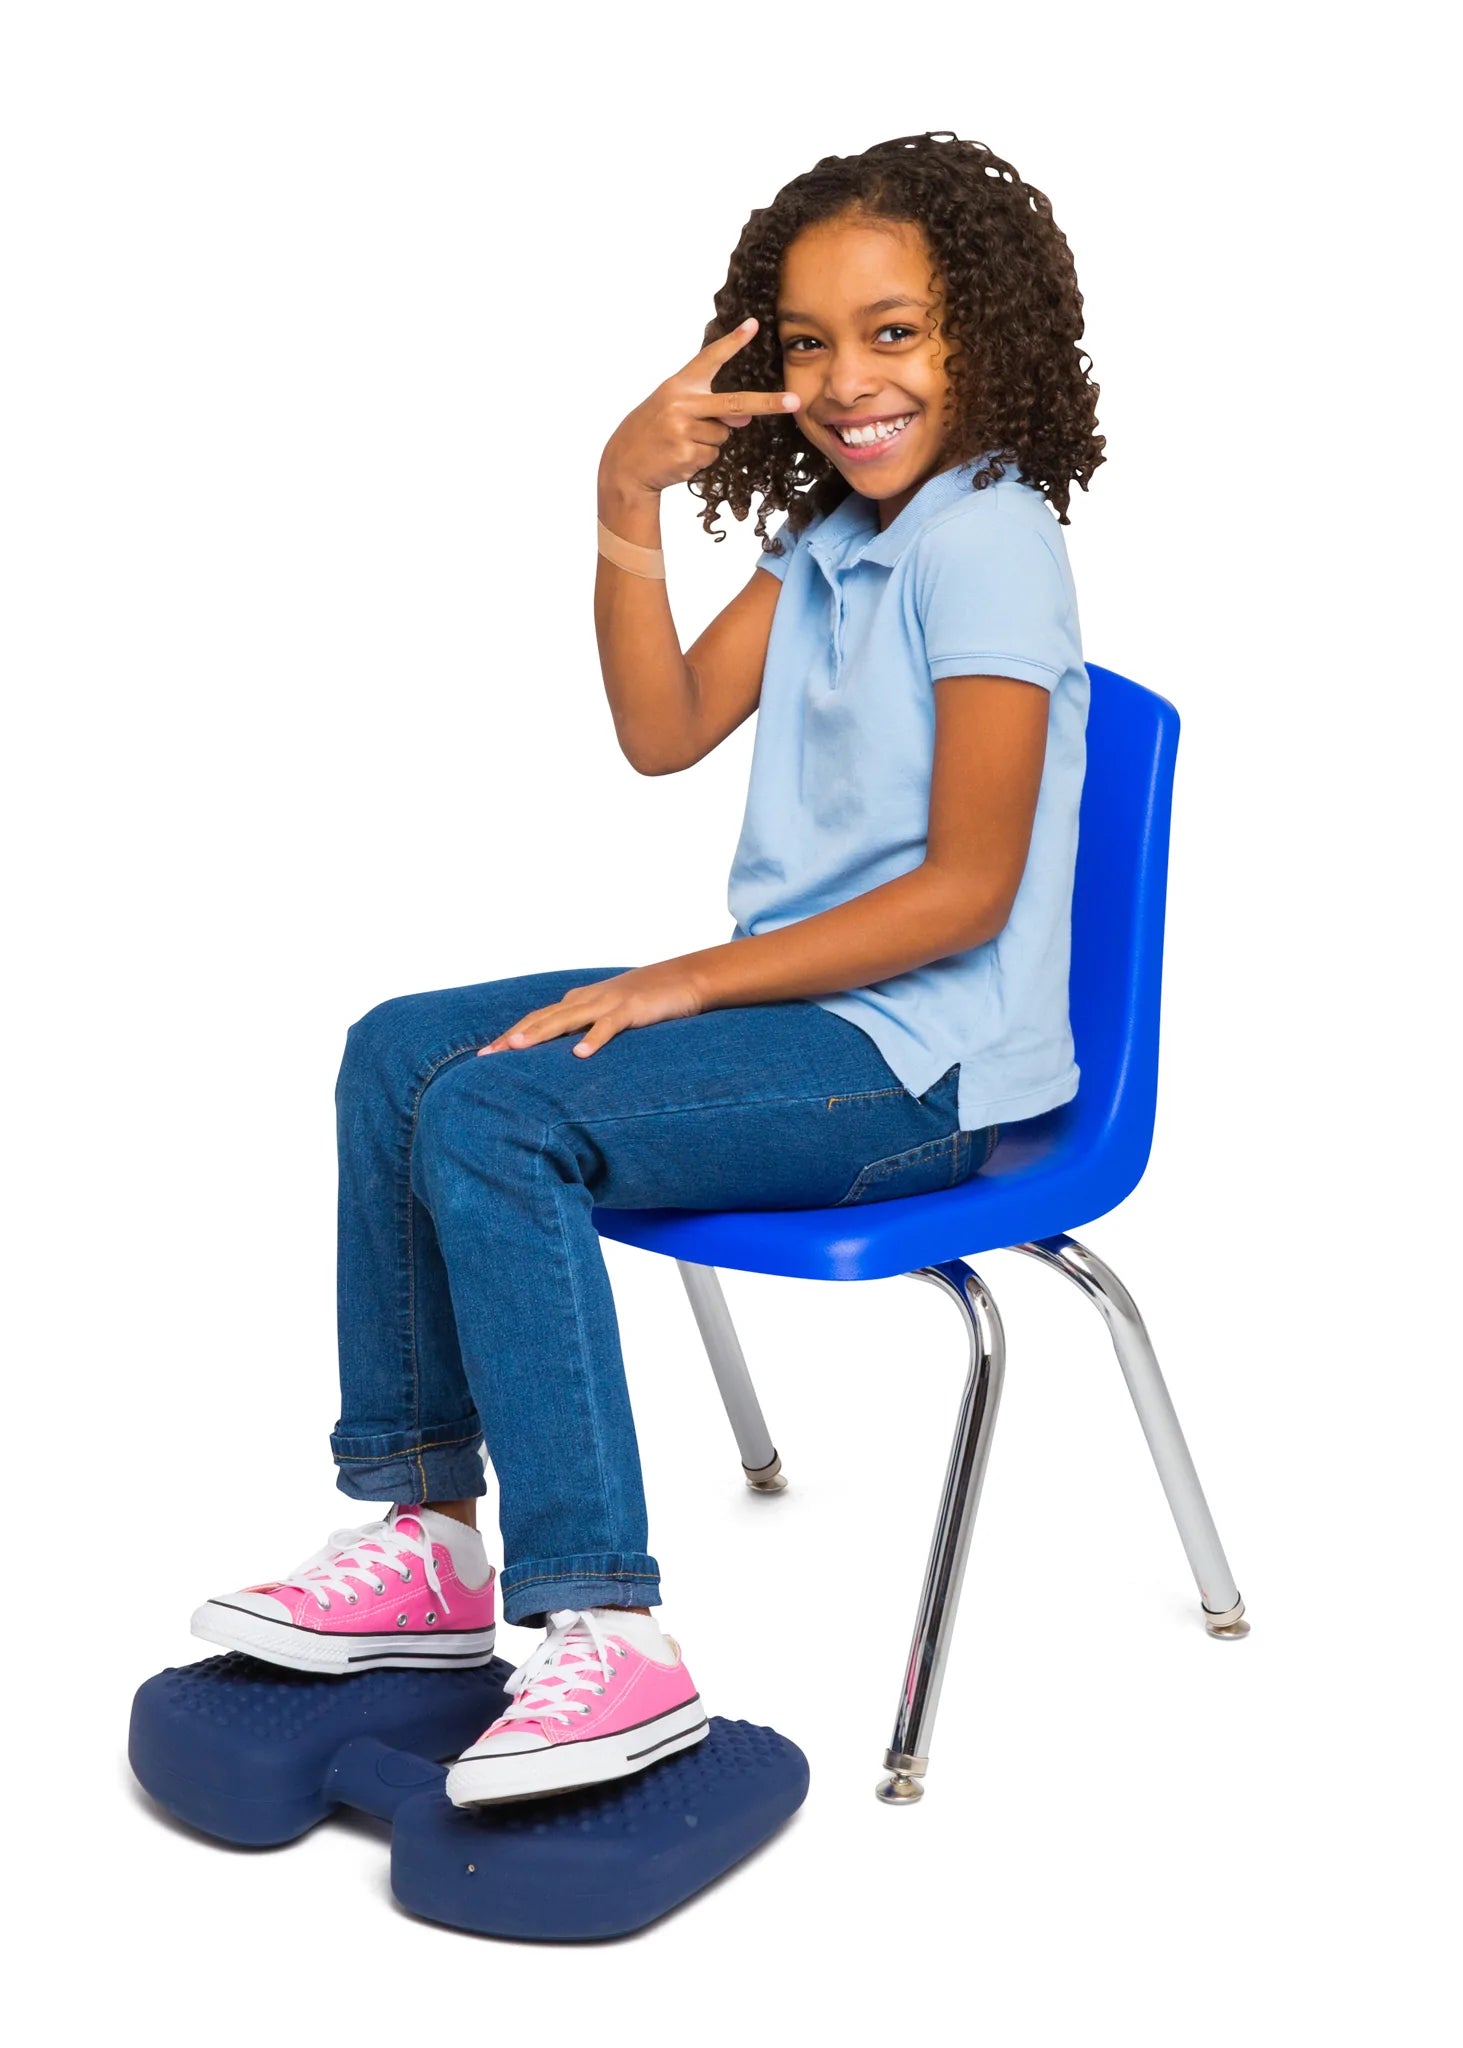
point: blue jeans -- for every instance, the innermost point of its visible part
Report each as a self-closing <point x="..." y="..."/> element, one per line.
<point x="474" y="1301"/>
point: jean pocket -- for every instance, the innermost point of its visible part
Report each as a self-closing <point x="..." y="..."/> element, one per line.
<point x="866" y="1095"/>
<point x="920" y="1170"/>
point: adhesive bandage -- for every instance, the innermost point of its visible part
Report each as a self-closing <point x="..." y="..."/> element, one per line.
<point x="625" y="555"/>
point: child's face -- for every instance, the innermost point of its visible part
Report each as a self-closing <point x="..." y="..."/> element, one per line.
<point x="862" y="339"/>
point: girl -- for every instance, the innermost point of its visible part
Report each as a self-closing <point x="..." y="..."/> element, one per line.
<point x="893" y="365"/>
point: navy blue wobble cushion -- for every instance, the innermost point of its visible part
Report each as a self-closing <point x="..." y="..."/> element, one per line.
<point x="586" y="1865"/>
<point x="255" y="1754"/>
<point x="246" y="1750"/>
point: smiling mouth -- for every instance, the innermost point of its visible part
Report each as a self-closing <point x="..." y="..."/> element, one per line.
<point x="864" y="444"/>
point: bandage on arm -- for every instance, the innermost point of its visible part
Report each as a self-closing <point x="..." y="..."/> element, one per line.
<point x="625" y="555"/>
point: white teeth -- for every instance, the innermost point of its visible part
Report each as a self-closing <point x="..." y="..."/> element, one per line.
<point x="856" y="437"/>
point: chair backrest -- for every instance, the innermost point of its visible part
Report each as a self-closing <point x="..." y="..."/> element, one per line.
<point x="1118" y="912"/>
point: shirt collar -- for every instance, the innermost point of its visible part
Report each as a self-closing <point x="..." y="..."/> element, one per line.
<point x="850" y="533"/>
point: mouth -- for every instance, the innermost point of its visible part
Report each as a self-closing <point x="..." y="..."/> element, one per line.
<point x="871" y="440"/>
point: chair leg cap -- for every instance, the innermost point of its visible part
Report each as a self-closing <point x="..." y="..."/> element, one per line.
<point x="766" y="1478"/>
<point x="899" y="1791"/>
<point x="1229" y="1626"/>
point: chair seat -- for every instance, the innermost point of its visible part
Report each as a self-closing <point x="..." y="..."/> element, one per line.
<point x="1048" y="1174"/>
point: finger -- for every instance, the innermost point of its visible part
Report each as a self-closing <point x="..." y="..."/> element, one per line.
<point x="515" y="1035"/>
<point x="708" y="360"/>
<point x="733" y="404"/>
<point x="526" y="1035"/>
<point x="568" y="1014"/>
<point x="599" y="1033"/>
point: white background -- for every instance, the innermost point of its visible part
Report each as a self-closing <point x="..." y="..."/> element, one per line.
<point x="319" y="317"/>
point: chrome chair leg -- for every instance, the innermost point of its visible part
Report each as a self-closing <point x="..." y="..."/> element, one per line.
<point x="1222" y="1605"/>
<point x="760" y="1462"/>
<point x="908" y="1755"/>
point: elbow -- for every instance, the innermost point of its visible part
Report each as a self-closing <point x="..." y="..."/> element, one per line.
<point x="660" y="752"/>
<point x="969" y="935"/>
<point x="992" y="922"/>
<point x="653" y="764"/>
<point x="977" y="916"/>
<point x="649" y="754"/>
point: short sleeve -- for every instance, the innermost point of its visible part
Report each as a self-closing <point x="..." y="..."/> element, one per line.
<point x="778" y="565"/>
<point x="994" y="599"/>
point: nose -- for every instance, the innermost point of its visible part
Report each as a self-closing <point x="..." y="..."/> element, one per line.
<point x="851" y="377"/>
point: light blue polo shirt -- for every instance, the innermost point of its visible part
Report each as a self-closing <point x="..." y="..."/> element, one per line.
<point x="963" y="582"/>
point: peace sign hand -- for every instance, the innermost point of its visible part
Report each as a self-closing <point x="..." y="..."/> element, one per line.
<point x="678" y="430"/>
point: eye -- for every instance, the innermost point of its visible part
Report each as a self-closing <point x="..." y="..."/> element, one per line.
<point x="895" y="327"/>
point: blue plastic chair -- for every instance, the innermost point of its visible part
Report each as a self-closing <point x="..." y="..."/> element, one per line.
<point x="1049" y="1174"/>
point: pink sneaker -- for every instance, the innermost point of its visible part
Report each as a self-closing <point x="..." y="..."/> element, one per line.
<point x="414" y="1590"/>
<point x="605" y="1695"/>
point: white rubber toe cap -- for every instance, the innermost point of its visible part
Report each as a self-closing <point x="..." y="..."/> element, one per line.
<point x="263" y="1604"/>
<point x="512" y="1742"/>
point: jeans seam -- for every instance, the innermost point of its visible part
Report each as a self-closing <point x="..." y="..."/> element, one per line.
<point x="588" y="1123"/>
<point x="408" y="1451"/>
<point x="881" y="1168"/>
<point x="583" y="1379"/>
<point x="410" y="1236"/>
<point x="556" y="1578"/>
<point x="875" y="1094"/>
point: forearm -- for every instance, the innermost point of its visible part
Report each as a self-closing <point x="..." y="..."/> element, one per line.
<point x="645" y="675"/>
<point x="918" y="917"/>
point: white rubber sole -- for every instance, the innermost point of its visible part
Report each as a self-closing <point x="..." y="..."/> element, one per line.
<point x="308" y="1649"/>
<point x="573" y="1766"/>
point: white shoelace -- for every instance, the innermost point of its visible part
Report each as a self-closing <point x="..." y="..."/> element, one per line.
<point x="574" y="1654"/>
<point x="343" y="1559"/>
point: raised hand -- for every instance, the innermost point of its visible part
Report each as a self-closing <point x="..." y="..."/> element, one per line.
<point x="679" y="428"/>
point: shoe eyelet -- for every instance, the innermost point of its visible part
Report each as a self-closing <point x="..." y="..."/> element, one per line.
<point x="380" y="1585"/>
<point x="431" y="1616"/>
<point x="401" y="1621"/>
<point x="350" y="1599"/>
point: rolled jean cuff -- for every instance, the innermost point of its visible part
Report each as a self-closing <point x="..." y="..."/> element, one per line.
<point x="410" y="1465"/>
<point x="611" y="1579"/>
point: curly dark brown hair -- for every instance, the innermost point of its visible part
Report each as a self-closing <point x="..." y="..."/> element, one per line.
<point x="1020" y="387"/>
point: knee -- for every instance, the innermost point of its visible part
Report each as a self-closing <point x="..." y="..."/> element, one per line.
<point x="457" y="1123"/>
<point x="383" y="1046"/>
<point x="479" y="1118"/>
